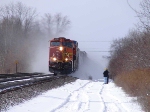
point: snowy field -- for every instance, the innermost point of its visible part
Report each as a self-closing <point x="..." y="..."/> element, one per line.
<point x="81" y="96"/>
<point x="84" y="95"/>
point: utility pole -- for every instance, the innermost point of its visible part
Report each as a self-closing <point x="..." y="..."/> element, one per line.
<point x="16" y="62"/>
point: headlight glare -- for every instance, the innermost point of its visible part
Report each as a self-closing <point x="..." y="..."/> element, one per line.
<point x="54" y="59"/>
<point x="61" y="48"/>
<point x="66" y="59"/>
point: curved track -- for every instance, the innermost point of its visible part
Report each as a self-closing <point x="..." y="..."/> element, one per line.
<point x="11" y="82"/>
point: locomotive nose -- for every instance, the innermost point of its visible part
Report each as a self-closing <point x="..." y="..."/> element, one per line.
<point x="58" y="55"/>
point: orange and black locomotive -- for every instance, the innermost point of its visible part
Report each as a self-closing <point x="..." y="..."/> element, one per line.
<point x="63" y="56"/>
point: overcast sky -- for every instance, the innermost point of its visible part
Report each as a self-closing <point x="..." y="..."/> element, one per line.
<point x="91" y="20"/>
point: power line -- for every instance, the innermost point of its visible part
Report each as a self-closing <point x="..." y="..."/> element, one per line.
<point x="98" y="51"/>
<point x="94" y="41"/>
<point x="90" y="48"/>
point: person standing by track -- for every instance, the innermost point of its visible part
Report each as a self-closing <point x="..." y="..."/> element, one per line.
<point x="106" y="76"/>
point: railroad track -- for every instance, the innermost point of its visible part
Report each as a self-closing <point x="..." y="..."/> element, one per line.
<point x="11" y="82"/>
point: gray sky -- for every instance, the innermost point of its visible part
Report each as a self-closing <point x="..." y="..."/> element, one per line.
<point x="92" y="20"/>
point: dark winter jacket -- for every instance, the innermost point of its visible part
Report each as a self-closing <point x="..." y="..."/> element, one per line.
<point x="106" y="73"/>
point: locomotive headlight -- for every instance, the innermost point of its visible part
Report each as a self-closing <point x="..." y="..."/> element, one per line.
<point x="61" y="48"/>
<point x="66" y="59"/>
<point x="54" y="59"/>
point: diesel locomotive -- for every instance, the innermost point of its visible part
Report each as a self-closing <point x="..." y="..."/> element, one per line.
<point x="63" y="56"/>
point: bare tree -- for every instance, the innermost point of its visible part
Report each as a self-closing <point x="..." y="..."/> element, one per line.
<point x="130" y="53"/>
<point x="48" y="24"/>
<point x="143" y="15"/>
<point x="55" y="25"/>
<point x="62" y="23"/>
<point x="16" y="21"/>
<point x="20" y="14"/>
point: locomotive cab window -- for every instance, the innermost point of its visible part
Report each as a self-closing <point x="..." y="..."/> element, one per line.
<point x="55" y="43"/>
<point x="67" y="44"/>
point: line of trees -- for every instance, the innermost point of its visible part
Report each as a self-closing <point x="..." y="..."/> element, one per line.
<point x="129" y="64"/>
<point x="21" y="32"/>
<point x="132" y="51"/>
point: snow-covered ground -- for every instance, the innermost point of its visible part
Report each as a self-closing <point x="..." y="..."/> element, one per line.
<point x="81" y="96"/>
<point x="84" y="95"/>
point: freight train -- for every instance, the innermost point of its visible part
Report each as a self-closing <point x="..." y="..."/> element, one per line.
<point x="63" y="56"/>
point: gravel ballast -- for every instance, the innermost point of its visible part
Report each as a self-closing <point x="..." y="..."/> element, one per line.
<point x="16" y="97"/>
